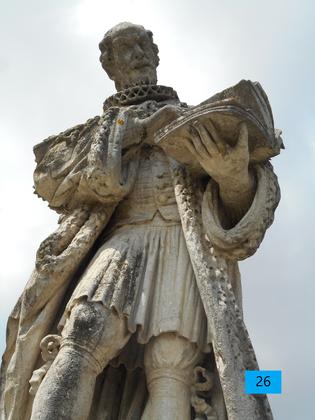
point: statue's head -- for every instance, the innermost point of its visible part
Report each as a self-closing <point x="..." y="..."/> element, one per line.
<point x="129" y="55"/>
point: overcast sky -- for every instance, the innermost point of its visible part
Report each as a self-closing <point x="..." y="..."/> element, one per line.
<point x="51" y="80"/>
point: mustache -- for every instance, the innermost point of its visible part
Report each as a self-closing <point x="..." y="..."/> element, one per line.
<point x="138" y="64"/>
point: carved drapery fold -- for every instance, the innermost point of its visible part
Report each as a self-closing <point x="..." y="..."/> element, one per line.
<point x="34" y="315"/>
<point x="85" y="165"/>
<point x="244" y="238"/>
<point x="232" y="346"/>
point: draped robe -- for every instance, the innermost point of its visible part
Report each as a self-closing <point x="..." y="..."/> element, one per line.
<point x="84" y="173"/>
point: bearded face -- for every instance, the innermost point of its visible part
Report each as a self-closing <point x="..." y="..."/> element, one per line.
<point x="129" y="56"/>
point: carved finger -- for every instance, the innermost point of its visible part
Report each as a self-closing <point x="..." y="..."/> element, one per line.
<point x="242" y="143"/>
<point x="207" y="139"/>
<point x="199" y="146"/>
<point x="221" y="145"/>
<point x="191" y="148"/>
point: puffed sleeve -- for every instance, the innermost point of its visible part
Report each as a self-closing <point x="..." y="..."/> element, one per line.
<point x="83" y="165"/>
<point x="60" y="161"/>
<point x="244" y="238"/>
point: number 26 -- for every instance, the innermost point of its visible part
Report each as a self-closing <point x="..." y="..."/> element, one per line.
<point x="265" y="381"/>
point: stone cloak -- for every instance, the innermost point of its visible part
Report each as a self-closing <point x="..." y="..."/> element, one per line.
<point x="67" y="185"/>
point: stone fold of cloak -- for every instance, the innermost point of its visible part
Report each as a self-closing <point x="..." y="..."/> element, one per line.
<point x="64" y="163"/>
<point x="86" y="164"/>
<point x="232" y="347"/>
<point x="34" y="315"/>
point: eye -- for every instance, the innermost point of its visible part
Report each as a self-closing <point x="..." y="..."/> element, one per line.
<point x="124" y="47"/>
<point x="144" y="44"/>
<point x="121" y="45"/>
<point x="147" y="46"/>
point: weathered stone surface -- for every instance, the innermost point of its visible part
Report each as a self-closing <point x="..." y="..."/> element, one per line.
<point x="134" y="308"/>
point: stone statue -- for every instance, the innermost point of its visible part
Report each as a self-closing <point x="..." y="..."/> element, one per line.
<point x="134" y="307"/>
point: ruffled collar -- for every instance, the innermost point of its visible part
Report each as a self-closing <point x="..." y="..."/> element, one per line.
<point x="138" y="94"/>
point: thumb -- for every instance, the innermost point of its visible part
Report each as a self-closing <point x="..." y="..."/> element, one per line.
<point x="242" y="142"/>
<point x="168" y="113"/>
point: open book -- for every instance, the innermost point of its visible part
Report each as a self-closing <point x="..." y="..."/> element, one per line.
<point x="244" y="102"/>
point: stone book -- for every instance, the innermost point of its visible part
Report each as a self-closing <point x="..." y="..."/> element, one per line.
<point x="244" y="102"/>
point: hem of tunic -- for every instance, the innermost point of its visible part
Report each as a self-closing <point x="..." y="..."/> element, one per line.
<point x="130" y="276"/>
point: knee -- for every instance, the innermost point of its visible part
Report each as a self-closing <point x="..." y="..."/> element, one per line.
<point x="86" y="323"/>
<point x="94" y="329"/>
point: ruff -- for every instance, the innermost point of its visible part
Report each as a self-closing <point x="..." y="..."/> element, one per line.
<point x="137" y="94"/>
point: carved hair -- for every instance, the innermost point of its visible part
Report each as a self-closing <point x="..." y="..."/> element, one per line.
<point x="106" y="46"/>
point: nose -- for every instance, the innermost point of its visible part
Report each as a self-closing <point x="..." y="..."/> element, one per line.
<point x="138" y="51"/>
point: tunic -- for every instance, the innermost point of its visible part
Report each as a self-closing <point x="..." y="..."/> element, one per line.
<point x="142" y="270"/>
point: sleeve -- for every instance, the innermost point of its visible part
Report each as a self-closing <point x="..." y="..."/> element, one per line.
<point x="60" y="161"/>
<point x="84" y="164"/>
<point x="245" y="237"/>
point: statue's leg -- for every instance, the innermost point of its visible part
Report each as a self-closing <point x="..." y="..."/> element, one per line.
<point x="92" y="336"/>
<point x="169" y="364"/>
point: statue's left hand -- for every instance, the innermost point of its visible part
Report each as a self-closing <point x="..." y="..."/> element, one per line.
<point x="225" y="164"/>
<point x="146" y="128"/>
<point x="158" y="120"/>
